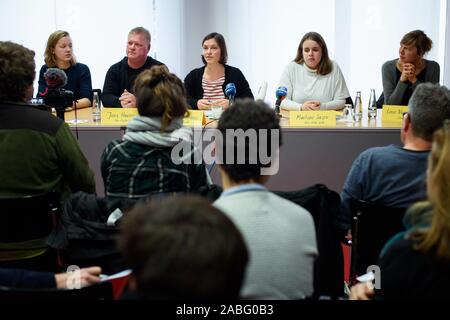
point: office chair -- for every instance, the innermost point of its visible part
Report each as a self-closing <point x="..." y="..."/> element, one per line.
<point x="25" y="224"/>
<point x="372" y="226"/>
<point x="323" y="204"/>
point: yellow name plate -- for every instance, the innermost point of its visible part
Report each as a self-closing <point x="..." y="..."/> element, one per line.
<point x="393" y="113"/>
<point x="117" y="116"/>
<point x="312" y="118"/>
<point x="194" y="118"/>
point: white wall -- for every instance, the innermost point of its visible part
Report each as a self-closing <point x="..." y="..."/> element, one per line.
<point x="98" y="28"/>
<point x="445" y="25"/>
<point x="262" y="35"/>
<point x="376" y="28"/>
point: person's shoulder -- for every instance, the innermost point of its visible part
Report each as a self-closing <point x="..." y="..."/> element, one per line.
<point x="153" y="62"/>
<point x="196" y="72"/>
<point x="116" y="143"/>
<point x="380" y="150"/>
<point x="81" y="66"/>
<point x="40" y="120"/>
<point x="43" y="69"/>
<point x="118" y="64"/>
<point x="431" y="64"/>
<point x="335" y="68"/>
<point x="287" y="206"/>
<point x="390" y="64"/>
<point x="231" y="68"/>
<point x="294" y="65"/>
<point x="398" y="244"/>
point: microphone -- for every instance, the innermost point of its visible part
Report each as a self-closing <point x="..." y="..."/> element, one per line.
<point x="281" y="94"/>
<point x="230" y="92"/>
<point x="55" y="78"/>
<point x="54" y="94"/>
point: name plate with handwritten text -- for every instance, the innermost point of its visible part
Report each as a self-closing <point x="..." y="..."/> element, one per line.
<point x="312" y="118"/>
<point x="118" y="116"/>
<point x="194" y="118"/>
<point x="393" y="113"/>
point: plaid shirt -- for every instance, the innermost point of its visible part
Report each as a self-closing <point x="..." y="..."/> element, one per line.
<point x="134" y="171"/>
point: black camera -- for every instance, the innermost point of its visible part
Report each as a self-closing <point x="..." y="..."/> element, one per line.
<point x="60" y="99"/>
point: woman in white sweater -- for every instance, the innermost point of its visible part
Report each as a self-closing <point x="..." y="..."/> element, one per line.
<point x="313" y="81"/>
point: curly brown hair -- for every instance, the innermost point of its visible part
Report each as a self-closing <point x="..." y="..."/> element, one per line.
<point x="17" y="71"/>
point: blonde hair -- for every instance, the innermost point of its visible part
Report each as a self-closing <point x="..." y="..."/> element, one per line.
<point x="437" y="236"/>
<point x="50" y="58"/>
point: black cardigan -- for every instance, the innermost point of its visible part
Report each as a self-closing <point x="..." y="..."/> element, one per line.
<point x="194" y="88"/>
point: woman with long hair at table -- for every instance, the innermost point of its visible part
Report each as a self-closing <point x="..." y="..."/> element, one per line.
<point x="59" y="54"/>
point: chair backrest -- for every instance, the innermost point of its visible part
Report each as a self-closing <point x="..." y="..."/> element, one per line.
<point x="373" y="225"/>
<point x="100" y="291"/>
<point x="27" y="217"/>
<point x="323" y="204"/>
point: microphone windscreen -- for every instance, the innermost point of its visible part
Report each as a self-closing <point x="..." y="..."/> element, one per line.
<point x="230" y="90"/>
<point x="281" y="92"/>
<point x="55" y="78"/>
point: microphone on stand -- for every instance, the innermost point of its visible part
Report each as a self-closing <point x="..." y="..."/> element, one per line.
<point x="281" y="94"/>
<point x="230" y="92"/>
<point x="54" y="95"/>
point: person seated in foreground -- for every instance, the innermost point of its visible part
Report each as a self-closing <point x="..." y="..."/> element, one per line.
<point x="141" y="164"/>
<point x="280" y="235"/>
<point x="394" y="176"/>
<point x="182" y="248"/>
<point x="414" y="264"/>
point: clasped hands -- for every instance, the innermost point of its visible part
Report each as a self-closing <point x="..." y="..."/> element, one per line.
<point x="409" y="73"/>
<point x="205" y="104"/>
<point x="313" y="105"/>
<point x="127" y="100"/>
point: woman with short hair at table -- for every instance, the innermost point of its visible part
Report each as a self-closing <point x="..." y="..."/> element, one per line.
<point x="401" y="76"/>
<point x="313" y="80"/>
<point x="141" y="163"/>
<point x="206" y="85"/>
<point x="59" y="54"/>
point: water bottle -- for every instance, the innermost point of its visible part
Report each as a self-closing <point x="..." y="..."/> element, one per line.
<point x="357" y="113"/>
<point x="96" y="108"/>
<point x="372" y="108"/>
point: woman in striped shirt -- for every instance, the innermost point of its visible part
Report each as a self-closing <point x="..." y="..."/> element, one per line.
<point x="205" y="86"/>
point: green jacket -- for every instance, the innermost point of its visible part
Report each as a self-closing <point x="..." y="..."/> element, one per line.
<point x="38" y="153"/>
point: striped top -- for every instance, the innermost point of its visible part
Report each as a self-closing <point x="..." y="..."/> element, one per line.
<point x="212" y="90"/>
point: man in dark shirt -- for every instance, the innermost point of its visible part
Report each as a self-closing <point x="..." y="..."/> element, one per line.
<point x="119" y="81"/>
<point x="394" y="176"/>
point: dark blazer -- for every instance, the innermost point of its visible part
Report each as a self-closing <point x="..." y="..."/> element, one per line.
<point x="194" y="88"/>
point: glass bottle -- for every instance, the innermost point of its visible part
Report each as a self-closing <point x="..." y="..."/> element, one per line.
<point x="372" y="108"/>
<point x="96" y="108"/>
<point x="357" y="113"/>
